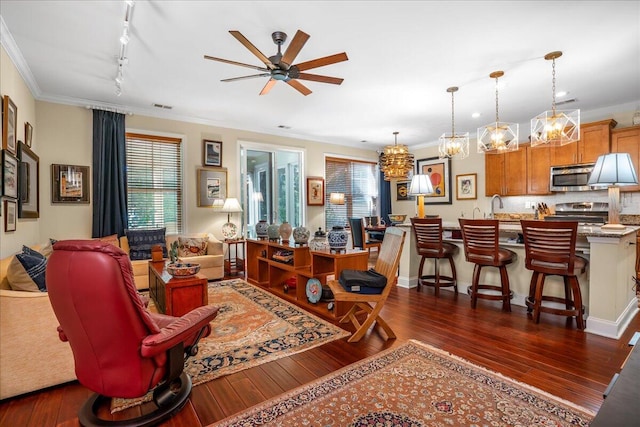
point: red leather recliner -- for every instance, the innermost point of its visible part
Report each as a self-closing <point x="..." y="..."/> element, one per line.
<point x="120" y="349"/>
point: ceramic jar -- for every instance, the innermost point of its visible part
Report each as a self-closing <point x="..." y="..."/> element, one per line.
<point x="319" y="241"/>
<point x="301" y="235"/>
<point x="285" y="231"/>
<point x="338" y="239"/>
<point x="261" y="229"/>
<point x="273" y="232"/>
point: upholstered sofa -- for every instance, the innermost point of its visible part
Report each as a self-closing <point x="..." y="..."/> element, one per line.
<point x="32" y="356"/>
<point x="211" y="264"/>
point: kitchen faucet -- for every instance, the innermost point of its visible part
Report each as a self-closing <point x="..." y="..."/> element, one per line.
<point x="474" y="212"/>
<point x="493" y="198"/>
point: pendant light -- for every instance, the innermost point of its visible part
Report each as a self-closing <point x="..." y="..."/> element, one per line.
<point x="395" y="161"/>
<point x="453" y="145"/>
<point x="555" y="127"/>
<point x="498" y="137"/>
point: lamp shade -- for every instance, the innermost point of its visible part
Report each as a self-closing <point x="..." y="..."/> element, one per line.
<point x="336" y="198"/>
<point x="420" y="185"/>
<point x="613" y="169"/>
<point x="218" y="203"/>
<point x="231" y="205"/>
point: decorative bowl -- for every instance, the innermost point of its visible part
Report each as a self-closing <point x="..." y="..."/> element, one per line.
<point x="183" y="269"/>
<point x="397" y="219"/>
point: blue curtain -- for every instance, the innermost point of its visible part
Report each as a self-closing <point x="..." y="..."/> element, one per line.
<point x="109" y="174"/>
<point x="384" y="192"/>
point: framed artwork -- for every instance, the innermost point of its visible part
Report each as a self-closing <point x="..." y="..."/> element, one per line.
<point x="10" y="215"/>
<point x="9" y="175"/>
<point x="402" y="191"/>
<point x="315" y="191"/>
<point x="28" y="134"/>
<point x="467" y="186"/>
<point x="9" y="125"/>
<point x="212" y="185"/>
<point x="69" y="184"/>
<point x="212" y="155"/>
<point x="28" y="183"/>
<point x="439" y="171"/>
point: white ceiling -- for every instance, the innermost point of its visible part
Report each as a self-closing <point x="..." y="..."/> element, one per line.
<point x="403" y="55"/>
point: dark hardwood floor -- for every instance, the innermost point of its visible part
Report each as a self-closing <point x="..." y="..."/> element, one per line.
<point x="552" y="356"/>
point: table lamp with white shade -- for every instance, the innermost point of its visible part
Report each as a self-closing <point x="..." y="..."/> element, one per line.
<point x="229" y="229"/>
<point x="613" y="170"/>
<point x="420" y="186"/>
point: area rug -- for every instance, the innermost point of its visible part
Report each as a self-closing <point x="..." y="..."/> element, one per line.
<point x="253" y="327"/>
<point x="413" y="384"/>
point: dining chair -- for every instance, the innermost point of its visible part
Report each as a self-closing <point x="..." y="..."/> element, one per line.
<point x="359" y="236"/>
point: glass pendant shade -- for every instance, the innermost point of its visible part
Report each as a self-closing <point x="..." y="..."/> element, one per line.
<point x="497" y="137"/>
<point x="453" y="144"/>
<point x="395" y="161"/>
<point x="555" y="127"/>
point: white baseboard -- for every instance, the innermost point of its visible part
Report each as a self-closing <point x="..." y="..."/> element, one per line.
<point x="608" y="328"/>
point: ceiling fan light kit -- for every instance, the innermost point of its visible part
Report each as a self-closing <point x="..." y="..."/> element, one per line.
<point x="453" y="144"/>
<point x="555" y="127"/>
<point x="395" y="161"/>
<point x="280" y="67"/>
<point x="498" y="137"/>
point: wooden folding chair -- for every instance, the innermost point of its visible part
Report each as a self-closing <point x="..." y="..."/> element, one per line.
<point x="387" y="265"/>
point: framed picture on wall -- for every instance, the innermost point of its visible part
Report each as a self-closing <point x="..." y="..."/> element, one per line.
<point x="315" y="191"/>
<point x="212" y="186"/>
<point x="10" y="215"/>
<point x="439" y="172"/>
<point x="28" y="134"/>
<point x="402" y="191"/>
<point x="9" y="175"/>
<point x="467" y="186"/>
<point x="9" y="125"/>
<point x="69" y="184"/>
<point x="29" y="183"/>
<point x="212" y="155"/>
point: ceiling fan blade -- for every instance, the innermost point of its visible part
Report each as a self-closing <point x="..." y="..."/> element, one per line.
<point x="242" y="39"/>
<point x="253" y="76"/>
<point x="227" y="61"/>
<point x="299" y="87"/>
<point x="265" y="90"/>
<point x="294" y="47"/>
<point x="321" y="79"/>
<point x="321" y="62"/>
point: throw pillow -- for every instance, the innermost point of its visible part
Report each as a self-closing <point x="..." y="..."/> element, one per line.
<point x="141" y="241"/>
<point x="26" y="271"/>
<point x="47" y="248"/>
<point x="192" y="246"/>
<point x="113" y="239"/>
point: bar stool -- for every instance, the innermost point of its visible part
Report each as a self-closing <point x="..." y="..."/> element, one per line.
<point x="550" y="248"/>
<point x="429" y="244"/>
<point x="480" y="237"/>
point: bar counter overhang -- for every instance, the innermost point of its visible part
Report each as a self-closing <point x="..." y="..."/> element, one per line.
<point x="607" y="286"/>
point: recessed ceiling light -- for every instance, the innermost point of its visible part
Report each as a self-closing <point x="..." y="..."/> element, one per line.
<point x="562" y="93"/>
<point x="364" y="140"/>
<point x="165" y="107"/>
<point x="284" y="127"/>
<point x="475" y="115"/>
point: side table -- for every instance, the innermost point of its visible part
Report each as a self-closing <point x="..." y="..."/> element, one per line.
<point x="234" y="265"/>
<point x="176" y="297"/>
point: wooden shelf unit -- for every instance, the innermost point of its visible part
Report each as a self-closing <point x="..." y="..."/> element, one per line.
<point x="264" y="271"/>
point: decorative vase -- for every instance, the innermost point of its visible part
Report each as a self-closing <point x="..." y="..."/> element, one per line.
<point x="319" y="241"/>
<point x="273" y="232"/>
<point x="261" y="229"/>
<point x="285" y="231"/>
<point x="301" y="235"/>
<point x="338" y="239"/>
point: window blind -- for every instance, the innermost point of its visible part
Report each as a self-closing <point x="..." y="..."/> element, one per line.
<point x="358" y="181"/>
<point x="154" y="182"/>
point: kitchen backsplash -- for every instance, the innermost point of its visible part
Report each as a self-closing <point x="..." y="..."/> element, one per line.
<point x="629" y="202"/>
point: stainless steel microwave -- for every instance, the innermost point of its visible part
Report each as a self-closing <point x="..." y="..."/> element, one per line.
<point x="571" y="177"/>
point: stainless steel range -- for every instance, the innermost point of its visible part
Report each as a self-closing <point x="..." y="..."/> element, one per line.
<point x="585" y="213"/>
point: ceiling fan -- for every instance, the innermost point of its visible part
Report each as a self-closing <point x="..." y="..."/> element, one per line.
<point x="280" y="67"/>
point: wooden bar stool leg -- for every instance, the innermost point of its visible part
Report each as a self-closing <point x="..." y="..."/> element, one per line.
<point x="577" y="301"/>
<point x="436" y="272"/>
<point x="506" y="291"/>
<point x="454" y="276"/>
<point x="530" y="300"/>
<point x="420" y="273"/>
<point x="474" y="285"/>
<point x="538" y="297"/>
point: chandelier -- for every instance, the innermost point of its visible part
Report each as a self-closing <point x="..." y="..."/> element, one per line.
<point x="498" y="137"/>
<point x="453" y="144"/>
<point x="395" y="161"/>
<point x="555" y="127"/>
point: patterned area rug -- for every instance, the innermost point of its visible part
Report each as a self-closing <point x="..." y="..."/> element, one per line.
<point x="413" y="385"/>
<point x="253" y="327"/>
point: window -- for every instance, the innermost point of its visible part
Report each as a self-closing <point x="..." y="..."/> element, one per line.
<point x="358" y="181"/>
<point x="154" y="182"/>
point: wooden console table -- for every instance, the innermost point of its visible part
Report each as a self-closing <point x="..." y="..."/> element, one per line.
<point x="176" y="297"/>
<point x="234" y="265"/>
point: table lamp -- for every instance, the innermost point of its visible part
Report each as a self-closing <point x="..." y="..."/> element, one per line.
<point x="420" y="186"/>
<point x="229" y="229"/>
<point x="613" y="170"/>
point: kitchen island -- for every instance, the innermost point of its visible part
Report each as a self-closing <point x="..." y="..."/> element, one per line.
<point x="607" y="286"/>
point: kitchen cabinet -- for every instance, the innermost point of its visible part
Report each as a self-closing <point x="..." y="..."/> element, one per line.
<point x="627" y="140"/>
<point x="595" y="140"/>
<point x="538" y="165"/>
<point x="506" y="173"/>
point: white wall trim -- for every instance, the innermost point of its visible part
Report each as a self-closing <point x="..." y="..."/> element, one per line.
<point x="610" y="329"/>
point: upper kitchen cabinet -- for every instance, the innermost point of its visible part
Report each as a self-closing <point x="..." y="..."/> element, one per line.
<point x="506" y="174"/>
<point x="538" y="166"/>
<point x="595" y="140"/>
<point x="627" y="140"/>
